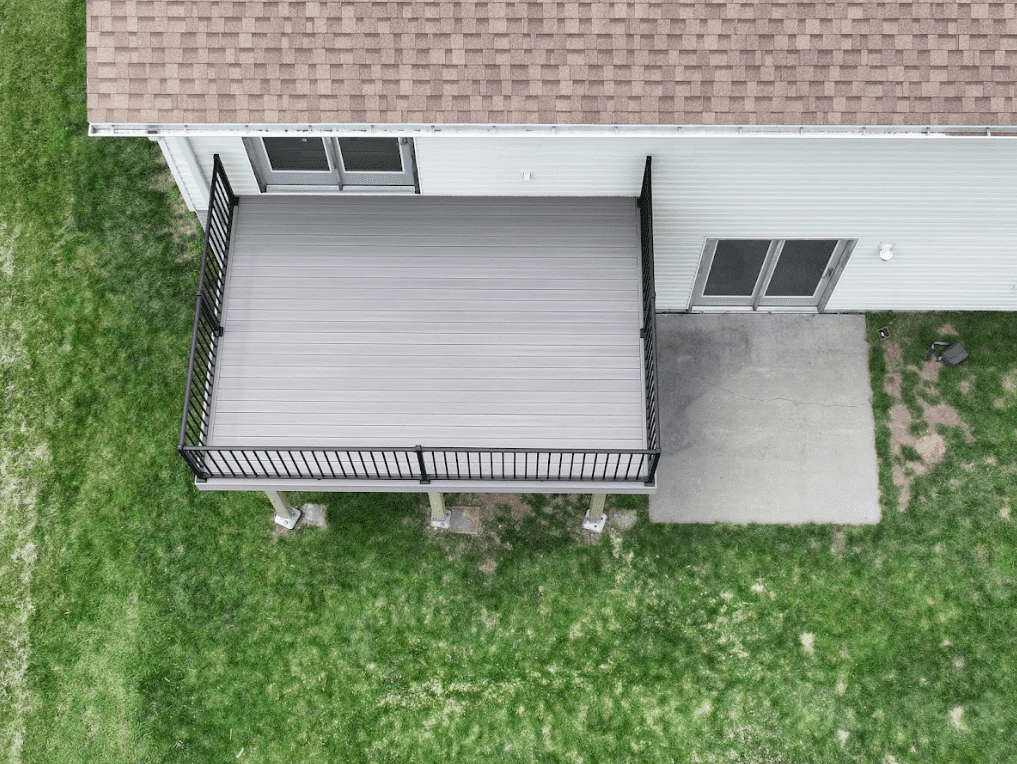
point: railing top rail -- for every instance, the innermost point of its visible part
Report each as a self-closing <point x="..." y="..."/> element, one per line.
<point x="416" y="463"/>
<point x="206" y="317"/>
<point x="649" y="332"/>
<point x="219" y="180"/>
<point x="219" y="171"/>
<point x="425" y="449"/>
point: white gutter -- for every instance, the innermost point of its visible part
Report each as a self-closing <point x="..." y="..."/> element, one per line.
<point x="410" y="130"/>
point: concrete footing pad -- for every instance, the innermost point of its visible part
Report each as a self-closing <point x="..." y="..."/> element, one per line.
<point x="464" y="520"/>
<point x="765" y="419"/>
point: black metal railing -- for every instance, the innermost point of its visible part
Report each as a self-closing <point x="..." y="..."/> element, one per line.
<point x="649" y="330"/>
<point x="208" y="305"/>
<point x="422" y="464"/>
<point x="415" y="463"/>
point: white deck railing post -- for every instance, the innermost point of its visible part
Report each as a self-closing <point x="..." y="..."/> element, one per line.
<point x="596" y="519"/>
<point x="440" y="517"/>
<point x="285" y="514"/>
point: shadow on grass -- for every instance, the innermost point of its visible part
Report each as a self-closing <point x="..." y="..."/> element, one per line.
<point x="550" y="525"/>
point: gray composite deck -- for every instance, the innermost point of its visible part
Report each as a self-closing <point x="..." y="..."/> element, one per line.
<point x="397" y="321"/>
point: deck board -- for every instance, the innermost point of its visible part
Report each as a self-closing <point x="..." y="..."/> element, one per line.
<point x="393" y="321"/>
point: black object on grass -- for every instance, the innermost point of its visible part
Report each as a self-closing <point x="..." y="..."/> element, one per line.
<point x="884" y="333"/>
<point x="952" y="354"/>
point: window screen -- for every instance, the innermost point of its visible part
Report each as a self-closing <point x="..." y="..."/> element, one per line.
<point x="371" y="154"/>
<point x="296" y="154"/>
<point x="800" y="267"/>
<point x="735" y="268"/>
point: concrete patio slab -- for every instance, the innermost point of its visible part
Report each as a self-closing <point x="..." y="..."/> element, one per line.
<point x="765" y="419"/>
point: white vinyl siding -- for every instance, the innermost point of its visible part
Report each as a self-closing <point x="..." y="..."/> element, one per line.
<point x="234" y="160"/>
<point x="947" y="205"/>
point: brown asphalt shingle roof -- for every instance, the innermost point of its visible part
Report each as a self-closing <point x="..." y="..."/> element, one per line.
<point x="636" y="62"/>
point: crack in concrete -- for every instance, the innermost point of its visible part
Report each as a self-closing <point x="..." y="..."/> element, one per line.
<point x="789" y="400"/>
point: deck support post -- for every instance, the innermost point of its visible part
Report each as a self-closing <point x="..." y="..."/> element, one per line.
<point x="440" y="517"/>
<point x="596" y="519"/>
<point x="285" y="514"/>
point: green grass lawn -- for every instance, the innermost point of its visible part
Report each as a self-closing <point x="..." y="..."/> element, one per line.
<point x="150" y="622"/>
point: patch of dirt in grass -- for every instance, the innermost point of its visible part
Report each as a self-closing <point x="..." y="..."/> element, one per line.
<point x="965" y="386"/>
<point x="624" y="519"/>
<point x="839" y="542"/>
<point x="808" y="643"/>
<point x="895" y="369"/>
<point x="930" y="371"/>
<point x="519" y="509"/>
<point x="946" y="414"/>
<point x="489" y="502"/>
<point x="509" y="520"/>
<point x="942" y="414"/>
<point x="1010" y="381"/>
<point x="517" y="521"/>
<point x="900" y="422"/>
<point x="947" y="329"/>
<point x="931" y="446"/>
<point x="955" y="717"/>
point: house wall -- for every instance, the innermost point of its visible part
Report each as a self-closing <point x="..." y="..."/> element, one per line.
<point x="946" y="204"/>
<point x="234" y="160"/>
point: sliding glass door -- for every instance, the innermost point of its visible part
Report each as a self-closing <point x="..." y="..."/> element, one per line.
<point x="768" y="272"/>
<point x="284" y="163"/>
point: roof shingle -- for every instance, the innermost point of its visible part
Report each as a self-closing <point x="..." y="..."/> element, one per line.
<point x="633" y="62"/>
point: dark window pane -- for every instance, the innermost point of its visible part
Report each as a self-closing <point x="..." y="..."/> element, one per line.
<point x="296" y="154"/>
<point x="735" y="268"/>
<point x="800" y="267"/>
<point x="371" y="154"/>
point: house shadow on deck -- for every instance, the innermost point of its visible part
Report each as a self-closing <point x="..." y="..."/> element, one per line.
<point x="765" y="419"/>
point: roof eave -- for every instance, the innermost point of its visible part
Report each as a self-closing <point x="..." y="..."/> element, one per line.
<point x="156" y="130"/>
